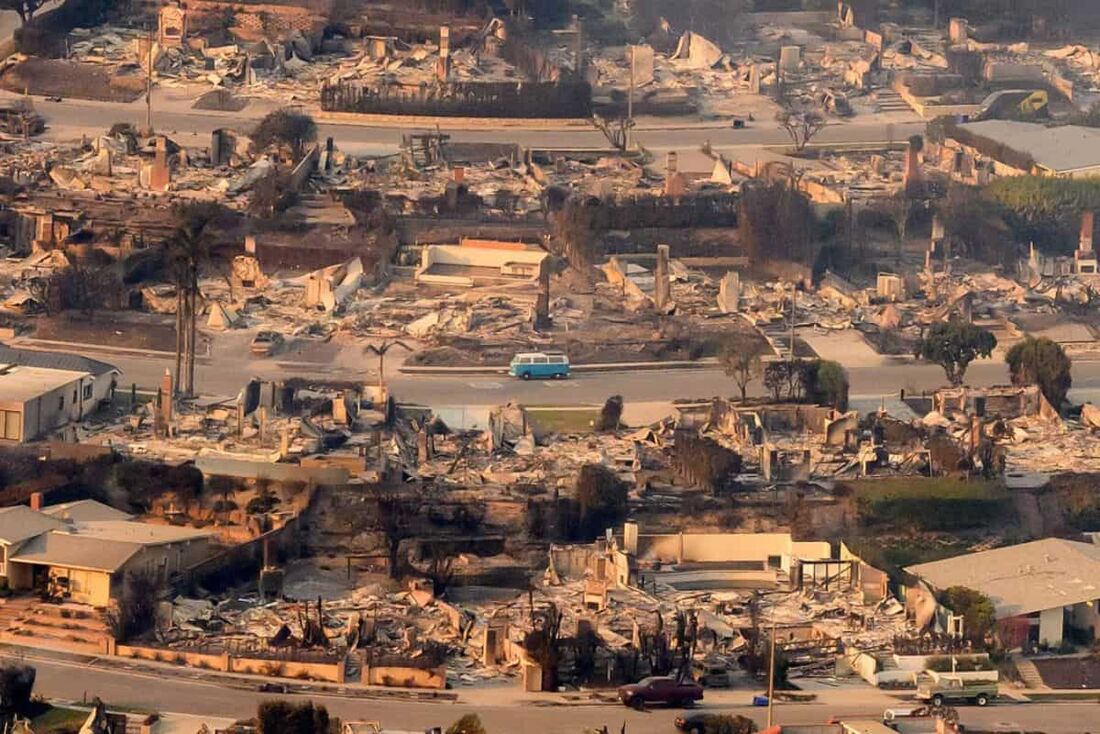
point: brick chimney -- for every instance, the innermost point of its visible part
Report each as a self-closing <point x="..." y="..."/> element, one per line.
<point x="443" y="64"/>
<point x="166" y="397"/>
<point x="674" y="183"/>
<point x="36" y="500"/>
<point x="459" y="173"/>
<point x="1087" y="225"/>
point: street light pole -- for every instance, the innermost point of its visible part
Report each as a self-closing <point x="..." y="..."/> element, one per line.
<point x="630" y="97"/>
<point x="149" y="80"/>
<point x="794" y="295"/>
<point x="771" y="676"/>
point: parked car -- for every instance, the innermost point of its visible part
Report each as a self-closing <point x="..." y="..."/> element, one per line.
<point x="941" y="689"/>
<point x="526" y="365"/>
<point x="661" y="689"/>
<point x="266" y="343"/>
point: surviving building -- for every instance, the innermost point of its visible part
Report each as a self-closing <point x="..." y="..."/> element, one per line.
<point x="991" y="148"/>
<point x="42" y="392"/>
<point x="1040" y="589"/>
<point x="85" y="551"/>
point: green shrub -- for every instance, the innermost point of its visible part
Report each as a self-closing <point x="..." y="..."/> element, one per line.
<point x="930" y="504"/>
<point x="961" y="664"/>
<point x="727" y="724"/>
<point x="468" y="724"/>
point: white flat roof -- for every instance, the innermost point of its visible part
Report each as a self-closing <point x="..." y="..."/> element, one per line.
<point x="125" y="531"/>
<point x="20" y="384"/>
<point x="1024" y="578"/>
<point x="1062" y="149"/>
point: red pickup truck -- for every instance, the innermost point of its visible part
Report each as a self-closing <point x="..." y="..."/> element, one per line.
<point x="661" y="689"/>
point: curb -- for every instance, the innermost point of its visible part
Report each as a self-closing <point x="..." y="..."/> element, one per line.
<point x="704" y="363"/>
<point x="44" y="344"/>
<point x="50" y="344"/>
<point x="237" y="681"/>
<point x="355" y="119"/>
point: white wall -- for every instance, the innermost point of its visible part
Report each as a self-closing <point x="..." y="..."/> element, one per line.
<point x="724" y="547"/>
<point x="481" y="257"/>
<point x="43" y="414"/>
<point x="1050" y="626"/>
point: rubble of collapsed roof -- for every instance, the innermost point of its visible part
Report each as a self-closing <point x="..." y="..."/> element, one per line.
<point x="288" y="63"/>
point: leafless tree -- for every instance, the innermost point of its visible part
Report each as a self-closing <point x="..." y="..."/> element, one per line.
<point x="440" y="569"/>
<point x="801" y="126"/>
<point x="391" y="511"/>
<point x="743" y="366"/>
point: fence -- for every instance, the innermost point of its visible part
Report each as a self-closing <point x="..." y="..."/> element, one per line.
<point x="638" y="212"/>
<point x="462" y="99"/>
<point x="303" y="664"/>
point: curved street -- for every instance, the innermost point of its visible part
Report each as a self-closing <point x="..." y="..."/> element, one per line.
<point x="508" y="710"/>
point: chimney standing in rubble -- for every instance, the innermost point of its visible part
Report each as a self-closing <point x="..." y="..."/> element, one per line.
<point x="1087" y="226"/>
<point x="661" y="294"/>
<point x="674" y="184"/>
<point x="443" y="64"/>
<point x="542" y="302"/>
<point x="159" y="174"/>
<point x="912" y="162"/>
<point x="166" y="398"/>
<point x="262" y="413"/>
<point x="284" y="444"/>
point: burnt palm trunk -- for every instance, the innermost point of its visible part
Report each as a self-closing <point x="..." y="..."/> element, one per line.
<point x="179" y="338"/>
<point x="191" y="341"/>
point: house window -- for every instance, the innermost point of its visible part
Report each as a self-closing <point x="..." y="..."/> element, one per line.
<point x="88" y="391"/>
<point x="61" y="402"/>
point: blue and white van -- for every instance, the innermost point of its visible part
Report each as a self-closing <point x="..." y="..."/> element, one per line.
<point x="550" y="365"/>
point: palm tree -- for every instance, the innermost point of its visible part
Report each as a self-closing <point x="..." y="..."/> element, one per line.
<point x="380" y="350"/>
<point x="186" y="251"/>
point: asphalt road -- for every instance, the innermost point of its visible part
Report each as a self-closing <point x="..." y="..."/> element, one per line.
<point x="226" y="375"/>
<point x="71" y="118"/>
<point x="514" y="715"/>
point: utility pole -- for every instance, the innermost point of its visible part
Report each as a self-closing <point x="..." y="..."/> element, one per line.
<point x="630" y="98"/>
<point x="794" y="295"/>
<point x="149" y="79"/>
<point x="771" y="676"/>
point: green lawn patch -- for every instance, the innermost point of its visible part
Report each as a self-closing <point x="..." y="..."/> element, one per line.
<point x="1053" y="696"/>
<point x="560" y="419"/>
<point x="58" y="720"/>
<point x="936" y="504"/>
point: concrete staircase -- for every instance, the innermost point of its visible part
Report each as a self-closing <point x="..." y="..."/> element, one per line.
<point x="13" y="609"/>
<point x="778" y="334"/>
<point x="890" y="101"/>
<point x="886" y="662"/>
<point x="1029" y="674"/>
<point x="70" y="627"/>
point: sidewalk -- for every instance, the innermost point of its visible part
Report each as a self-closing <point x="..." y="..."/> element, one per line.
<point x="239" y="681"/>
